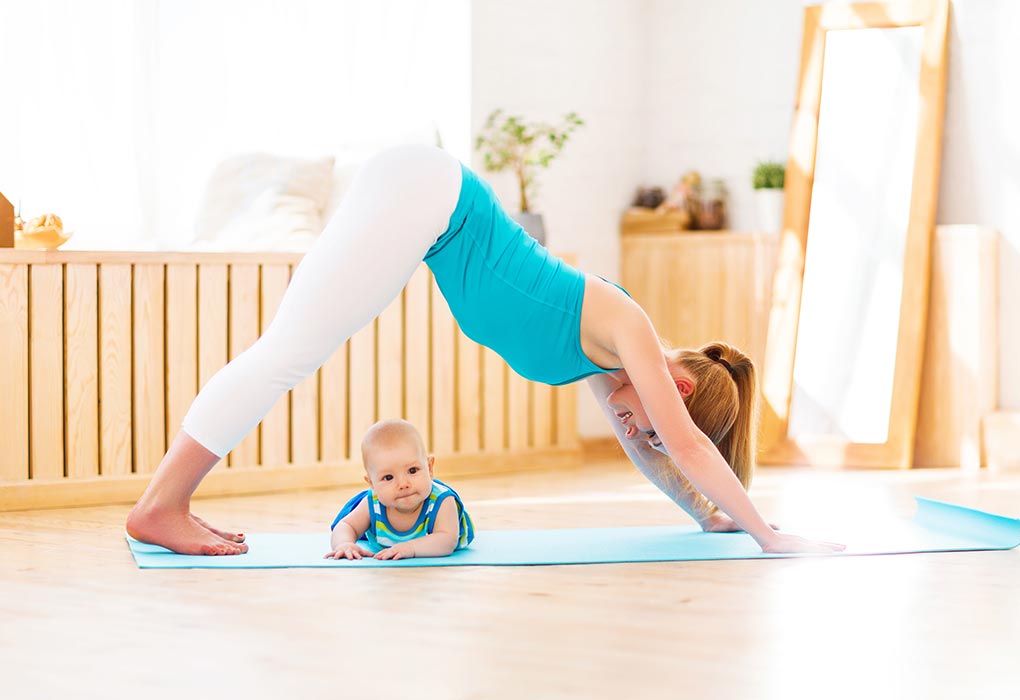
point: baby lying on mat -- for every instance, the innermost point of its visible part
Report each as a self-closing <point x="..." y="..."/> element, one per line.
<point x="406" y="513"/>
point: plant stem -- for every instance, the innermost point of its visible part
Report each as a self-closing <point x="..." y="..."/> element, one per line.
<point x="522" y="182"/>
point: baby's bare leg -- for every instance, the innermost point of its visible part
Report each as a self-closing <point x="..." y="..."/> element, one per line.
<point x="163" y="514"/>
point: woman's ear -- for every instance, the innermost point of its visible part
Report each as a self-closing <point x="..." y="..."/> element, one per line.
<point x="685" y="386"/>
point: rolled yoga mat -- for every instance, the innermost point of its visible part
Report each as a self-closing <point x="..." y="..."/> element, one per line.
<point x="936" y="527"/>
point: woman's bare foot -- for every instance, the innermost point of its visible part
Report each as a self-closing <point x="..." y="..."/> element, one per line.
<point x="178" y="531"/>
<point x="228" y="536"/>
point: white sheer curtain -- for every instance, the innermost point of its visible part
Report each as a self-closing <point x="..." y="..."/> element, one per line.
<point x="118" y="110"/>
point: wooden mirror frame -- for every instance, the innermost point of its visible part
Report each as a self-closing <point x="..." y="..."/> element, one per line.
<point x="777" y="447"/>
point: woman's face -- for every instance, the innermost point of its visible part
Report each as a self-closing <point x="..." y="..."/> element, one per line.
<point x="626" y="404"/>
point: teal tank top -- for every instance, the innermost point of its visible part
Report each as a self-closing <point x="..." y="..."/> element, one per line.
<point x="508" y="292"/>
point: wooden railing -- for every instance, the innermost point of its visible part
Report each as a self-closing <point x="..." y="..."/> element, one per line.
<point x="102" y="354"/>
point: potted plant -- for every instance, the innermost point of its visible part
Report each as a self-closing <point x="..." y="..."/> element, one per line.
<point x="768" y="180"/>
<point x="511" y="142"/>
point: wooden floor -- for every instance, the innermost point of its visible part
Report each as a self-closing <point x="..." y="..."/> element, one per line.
<point x="78" y="620"/>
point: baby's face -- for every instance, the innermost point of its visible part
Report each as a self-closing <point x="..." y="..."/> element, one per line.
<point x="400" y="475"/>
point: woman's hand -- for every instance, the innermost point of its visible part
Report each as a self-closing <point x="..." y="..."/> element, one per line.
<point x="782" y="543"/>
<point x="720" y="522"/>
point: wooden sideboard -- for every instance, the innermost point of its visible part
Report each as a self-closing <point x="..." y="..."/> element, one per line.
<point x="703" y="286"/>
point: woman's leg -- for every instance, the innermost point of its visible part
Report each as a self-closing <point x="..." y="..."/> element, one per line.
<point x="396" y="208"/>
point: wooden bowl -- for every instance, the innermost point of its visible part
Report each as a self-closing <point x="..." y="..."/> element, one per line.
<point x="44" y="238"/>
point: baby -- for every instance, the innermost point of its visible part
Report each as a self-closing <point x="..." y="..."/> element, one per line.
<point x="406" y="513"/>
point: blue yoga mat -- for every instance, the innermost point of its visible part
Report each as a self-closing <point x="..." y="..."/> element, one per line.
<point x="936" y="527"/>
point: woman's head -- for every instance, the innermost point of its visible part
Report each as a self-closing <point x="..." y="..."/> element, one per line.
<point x="718" y="385"/>
<point x="723" y="402"/>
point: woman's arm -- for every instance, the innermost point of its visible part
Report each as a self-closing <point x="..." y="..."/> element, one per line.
<point x="657" y="467"/>
<point x="640" y="353"/>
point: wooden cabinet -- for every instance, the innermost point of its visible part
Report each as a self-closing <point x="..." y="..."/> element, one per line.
<point x="703" y="286"/>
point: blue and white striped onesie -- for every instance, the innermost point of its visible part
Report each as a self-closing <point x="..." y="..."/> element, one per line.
<point x="382" y="534"/>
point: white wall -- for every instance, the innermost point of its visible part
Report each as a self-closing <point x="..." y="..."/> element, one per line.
<point x="543" y="59"/>
<point x="672" y="85"/>
<point x="980" y="178"/>
<point x="724" y="82"/>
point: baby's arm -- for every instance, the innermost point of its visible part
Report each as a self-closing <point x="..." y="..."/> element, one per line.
<point x="346" y="534"/>
<point x="440" y="543"/>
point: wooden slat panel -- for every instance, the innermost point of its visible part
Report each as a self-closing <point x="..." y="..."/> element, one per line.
<point x="362" y="383"/>
<point x="417" y="401"/>
<point x="469" y="395"/>
<point x="14" y="372"/>
<point x="444" y="395"/>
<point x="518" y="418"/>
<point x="81" y="299"/>
<point x="123" y="489"/>
<point x="494" y="372"/>
<point x="305" y="433"/>
<point x="275" y="432"/>
<point x="244" y="330"/>
<point x="115" y="369"/>
<point x="181" y="343"/>
<point x="212" y="324"/>
<point x="136" y="257"/>
<point x="305" y="421"/>
<point x="542" y="416"/>
<point x="566" y="415"/>
<point x="391" y="360"/>
<point x="149" y="374"/>
<point x="962" y="342"/>
<point x="46" y="348"/>
<point x="333" y="395"/>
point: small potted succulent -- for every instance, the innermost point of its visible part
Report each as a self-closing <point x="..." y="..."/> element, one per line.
<point x="510" y="142"/>
<point x="768" y="180"/>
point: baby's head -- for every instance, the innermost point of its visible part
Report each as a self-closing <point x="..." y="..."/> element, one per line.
<point x="397" y="466"/>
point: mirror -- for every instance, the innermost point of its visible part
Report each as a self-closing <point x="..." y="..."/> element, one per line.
<point x="857" y="228"/>
<point x="846" y="334"/>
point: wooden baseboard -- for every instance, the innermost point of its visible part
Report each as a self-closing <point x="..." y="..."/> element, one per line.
<point x="93" y="491"/>
<point x="602" y="448"/>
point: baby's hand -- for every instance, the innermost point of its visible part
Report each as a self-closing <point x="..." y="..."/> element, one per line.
<point x="348" y="551"/>
<point x="404" y="550"/>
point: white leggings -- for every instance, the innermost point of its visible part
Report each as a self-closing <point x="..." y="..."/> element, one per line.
<point x="397" y="206"/>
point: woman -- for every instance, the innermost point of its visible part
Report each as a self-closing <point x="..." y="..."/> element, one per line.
<point x="550" y="322"/>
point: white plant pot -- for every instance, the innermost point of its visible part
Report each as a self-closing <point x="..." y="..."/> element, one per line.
<point x="769" y="204"/>
<point x="532" y="223"/>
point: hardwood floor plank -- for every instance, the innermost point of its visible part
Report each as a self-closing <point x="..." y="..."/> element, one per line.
<point x="923" y="625"/>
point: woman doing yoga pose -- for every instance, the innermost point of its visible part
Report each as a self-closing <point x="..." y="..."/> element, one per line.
<point x="549" y="321"/>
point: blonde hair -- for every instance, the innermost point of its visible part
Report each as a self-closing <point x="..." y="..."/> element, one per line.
<point x="724" y="403"/>
<point x="387" y="433"/>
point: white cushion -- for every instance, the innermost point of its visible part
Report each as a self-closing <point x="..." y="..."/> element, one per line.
<point x="259" y="201"/>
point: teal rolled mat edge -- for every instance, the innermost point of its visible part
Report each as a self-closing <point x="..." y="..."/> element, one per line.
<point x="936" y="527"/>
